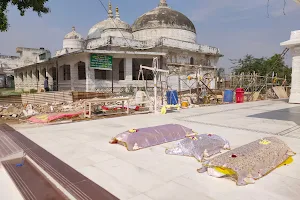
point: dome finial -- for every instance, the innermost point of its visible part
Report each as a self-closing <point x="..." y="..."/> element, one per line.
<point x="73" y="28"/>
<point x="163" y="3"/>
<point x="117" y="13"/>
<point x="110" y="12"/>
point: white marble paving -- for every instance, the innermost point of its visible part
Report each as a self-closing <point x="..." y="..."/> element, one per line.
<point x="150" y="174"/>
<point x="8" y="190"/>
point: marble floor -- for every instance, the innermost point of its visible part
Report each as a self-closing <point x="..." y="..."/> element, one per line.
<point x="150" y="174"/>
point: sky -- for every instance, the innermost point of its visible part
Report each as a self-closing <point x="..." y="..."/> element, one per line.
<point x="236" y="27"/>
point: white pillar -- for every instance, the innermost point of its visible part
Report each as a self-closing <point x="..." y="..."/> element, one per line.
<point x="128" y="69"/>
<point x="294" y="45"/>
<point x="74" y="75"/>
<point x="90" y="76"/>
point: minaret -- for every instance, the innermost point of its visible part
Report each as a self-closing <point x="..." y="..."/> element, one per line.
<point x="163" y="3"/>
<point x="110" y="12"/>
<point x="117" y="13"/>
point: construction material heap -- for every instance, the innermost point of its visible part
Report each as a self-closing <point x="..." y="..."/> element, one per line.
<point x="250" y="162"/>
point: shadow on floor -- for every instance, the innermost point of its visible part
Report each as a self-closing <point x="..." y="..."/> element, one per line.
<point x="288" y="114"/>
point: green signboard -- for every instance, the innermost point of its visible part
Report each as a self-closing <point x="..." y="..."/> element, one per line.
<point x="99" y="61"/>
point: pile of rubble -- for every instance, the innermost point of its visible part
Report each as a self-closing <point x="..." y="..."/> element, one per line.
<point x="21" y="111"/>
<point x="24" y="111"/>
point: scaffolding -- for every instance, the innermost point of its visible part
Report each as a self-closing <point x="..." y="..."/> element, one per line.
<point x="253" y="83"/>
<point x="196" y="79"/>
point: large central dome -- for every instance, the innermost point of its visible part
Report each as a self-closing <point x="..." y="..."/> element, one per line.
<point x="164" y="22"/>
<point x="163" y="17"/>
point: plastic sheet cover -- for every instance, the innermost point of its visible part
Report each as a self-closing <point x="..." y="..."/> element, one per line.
<point x="199" y="146"/>
<point x="250" y="162"/>
<point x="136" y="139"/>
<point x="46" y="118"/>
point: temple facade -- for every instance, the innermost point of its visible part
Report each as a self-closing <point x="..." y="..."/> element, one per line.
<point x="111" y="54"/>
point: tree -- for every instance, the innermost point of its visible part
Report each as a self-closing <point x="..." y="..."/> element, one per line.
<point x="220" y="72"/>
<point x="263" y="66"/>
<point x="36" y="5"/>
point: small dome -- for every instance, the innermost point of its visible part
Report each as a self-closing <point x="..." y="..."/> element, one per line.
<point x="163" y="17"/>
<point x="109" y="24"/>
<point x="73" y="35"/>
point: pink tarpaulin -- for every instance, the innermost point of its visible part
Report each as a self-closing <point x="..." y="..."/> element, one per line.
<point x="136" y="139"/>
<point x="46" y="118"/>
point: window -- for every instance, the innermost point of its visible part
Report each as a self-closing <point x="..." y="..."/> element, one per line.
<point x="100" y="74"/>
<point x="67" y="72"/>
<point x="192" y="61"/>
<point x="81" y="71"/>
<point x="121" y="70"/>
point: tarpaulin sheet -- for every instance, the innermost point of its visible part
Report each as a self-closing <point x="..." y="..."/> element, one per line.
<point x="46" y="118"/>
<point x="249" y="162"/>
<point x="199" y="146"/>
<point x="145" y="137"/>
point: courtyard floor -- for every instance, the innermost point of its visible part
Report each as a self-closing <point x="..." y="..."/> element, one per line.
<point x="150" y="174"/>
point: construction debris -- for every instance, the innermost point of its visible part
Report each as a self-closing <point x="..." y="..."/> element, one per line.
<point x="250" y="162"/>
<point x="136" y="139"/>
<point x="199" y="146"/>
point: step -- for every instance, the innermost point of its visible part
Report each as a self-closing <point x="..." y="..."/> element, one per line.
<point x="7" y="186"/>
<point x="8" y="148"/>
<point x="71" y="180"/>
<point x="32" y="184"/>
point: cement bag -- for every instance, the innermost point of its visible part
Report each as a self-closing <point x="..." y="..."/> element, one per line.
<point x="251" y="161"/>
<point x="199" y="146"/>
<point x="136" y="139"/>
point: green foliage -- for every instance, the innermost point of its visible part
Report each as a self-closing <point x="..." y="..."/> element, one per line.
<point x="263" y="66"/>
<point x="37" y="6"/>
<point x="220" y="72"/>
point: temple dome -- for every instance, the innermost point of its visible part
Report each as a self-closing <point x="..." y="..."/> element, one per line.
<point x="110" y="27"/>
<point x="73" y="35"/>
<point x="73" y="40"/>
<point x="164" y="22"/>
<point x="163" y="17"/>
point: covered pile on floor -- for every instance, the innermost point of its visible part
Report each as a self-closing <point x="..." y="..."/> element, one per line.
<point x="136" y="139"/>
<point x="199" y="146"/>
<point x="251" y="161"/>
<point x="46" y="118"/>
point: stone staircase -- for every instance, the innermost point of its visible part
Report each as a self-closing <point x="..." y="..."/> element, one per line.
<point x="38" y="174"/>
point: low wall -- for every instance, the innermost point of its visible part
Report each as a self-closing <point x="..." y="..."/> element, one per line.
<point x="47" y="97"/>
<point x="12" y="99"/>
<point x="89" y="95"/>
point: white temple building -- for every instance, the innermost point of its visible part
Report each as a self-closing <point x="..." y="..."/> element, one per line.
<point x="113" y="51"/>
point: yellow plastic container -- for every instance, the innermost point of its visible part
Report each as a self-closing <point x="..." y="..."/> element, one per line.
<point x="184" y="104"/>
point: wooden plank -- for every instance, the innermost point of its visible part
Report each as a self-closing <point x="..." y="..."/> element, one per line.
<point x="280" y="92"/>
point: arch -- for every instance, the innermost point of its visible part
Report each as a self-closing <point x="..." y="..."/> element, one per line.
<point x="207" y="78"/>
<point x="66" y="72"/>
<point x="81" y="70"/>
<point x="44" y="73"/>
<point x="37" y="74"/>
<point x="25" y="75"/>
<point x="30" y="74"/>
<point x="21" y="76"/>
<point x="192" y="61"/>
<point x="122" y="70"/>
<point x="53" y="73"/>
